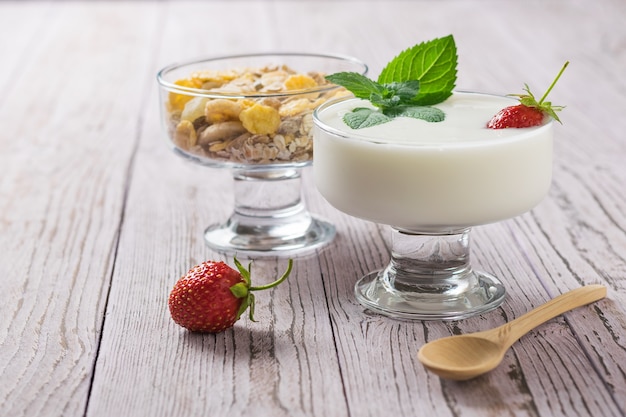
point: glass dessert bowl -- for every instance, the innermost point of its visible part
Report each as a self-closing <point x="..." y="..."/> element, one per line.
<point x="431" y="182"/>
<point x="252" y="114"/>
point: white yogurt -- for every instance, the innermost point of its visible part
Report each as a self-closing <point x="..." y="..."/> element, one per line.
<point x="424" y="176"/>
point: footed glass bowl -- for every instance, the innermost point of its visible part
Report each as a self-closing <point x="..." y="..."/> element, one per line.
<point x="252" y="114"/>
<point x="431" y="182"/>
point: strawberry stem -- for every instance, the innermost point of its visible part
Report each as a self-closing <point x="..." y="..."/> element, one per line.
<point x="554" y="82"/>
<point x="278" y="281"/>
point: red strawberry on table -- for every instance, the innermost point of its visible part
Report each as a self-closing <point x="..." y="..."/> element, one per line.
<point x="212" y="296"/>
<point x="529" y="112"/>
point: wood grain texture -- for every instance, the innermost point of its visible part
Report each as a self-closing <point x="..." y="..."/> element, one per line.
<point x="98" y="218"/>
<point x="63" y="191"/>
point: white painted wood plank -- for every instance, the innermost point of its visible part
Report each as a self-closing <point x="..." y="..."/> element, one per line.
<point x="68" y="132"/>
<point x="23" y="25"/>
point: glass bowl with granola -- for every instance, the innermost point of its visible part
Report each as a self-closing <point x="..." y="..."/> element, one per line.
<point x="253" y="114"/>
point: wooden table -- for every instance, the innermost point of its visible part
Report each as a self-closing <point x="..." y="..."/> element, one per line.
<point x="98" y="218"/>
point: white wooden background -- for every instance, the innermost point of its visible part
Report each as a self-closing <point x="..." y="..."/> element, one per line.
<point x="98" y="219"/>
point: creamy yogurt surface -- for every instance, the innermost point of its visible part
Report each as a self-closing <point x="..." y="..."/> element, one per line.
<point x="466" y="118"/>
<point x="426" y="176"/>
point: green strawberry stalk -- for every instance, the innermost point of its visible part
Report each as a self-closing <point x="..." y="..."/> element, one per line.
<point x="529" y="112"/>
<point x="542" y="105"/>
<point x="243" y="290"/>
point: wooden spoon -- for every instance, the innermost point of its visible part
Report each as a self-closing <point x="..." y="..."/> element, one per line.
<point x="470" y="355"/>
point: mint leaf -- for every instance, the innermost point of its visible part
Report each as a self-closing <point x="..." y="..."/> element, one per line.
<point x="395" y="94"/>
<point x="433" y="63"/>
<point x="362" y="117"/>
<point x="430" y="114"/>
<point x="406" y="90"/>
<point x="417" y="78"/>
<point x="359" y="85"/>
<point x="383" y="96"/>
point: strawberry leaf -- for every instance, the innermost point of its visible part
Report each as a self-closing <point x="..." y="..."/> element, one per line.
<point x="247" y="302"/>
<point x="251" y="303"/>
<point x="245" y="272"/>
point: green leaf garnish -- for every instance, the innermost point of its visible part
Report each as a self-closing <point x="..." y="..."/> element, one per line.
<point x="433" y="63"/>
<point x="395" y="94"/>
<point x="358" y="84"/>
<point x="420" y="76"/>
<point x="430" y="114"/>
<point x="363" y="117"/>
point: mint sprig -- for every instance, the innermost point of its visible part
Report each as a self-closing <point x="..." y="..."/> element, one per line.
<point x="417" y="78"/>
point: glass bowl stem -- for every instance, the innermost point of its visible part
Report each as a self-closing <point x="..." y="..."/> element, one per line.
<point x="269" y="217"/>
<point x="429" y="276"/>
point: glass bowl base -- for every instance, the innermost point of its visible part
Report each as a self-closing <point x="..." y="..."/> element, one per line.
<point x="453" y="299"/>
<point x="234" y="237"/>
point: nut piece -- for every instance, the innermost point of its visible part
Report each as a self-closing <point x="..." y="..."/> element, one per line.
<point x="221" y="110"/>
<point x="185" y="135"/>
<point x="221" y="131"/>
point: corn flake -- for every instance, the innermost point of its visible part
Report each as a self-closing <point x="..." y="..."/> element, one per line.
<point x="299" y="82"/>
<point x="260" y="119"/>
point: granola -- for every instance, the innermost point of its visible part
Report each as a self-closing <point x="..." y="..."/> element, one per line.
<point x="259" y="130"/>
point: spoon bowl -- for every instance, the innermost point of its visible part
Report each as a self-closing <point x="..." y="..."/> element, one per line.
<point x="461" y="357"/>
<point x="467" y="356"/>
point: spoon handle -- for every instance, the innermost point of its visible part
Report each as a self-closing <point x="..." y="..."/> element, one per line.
<point x="555" y="307"/>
